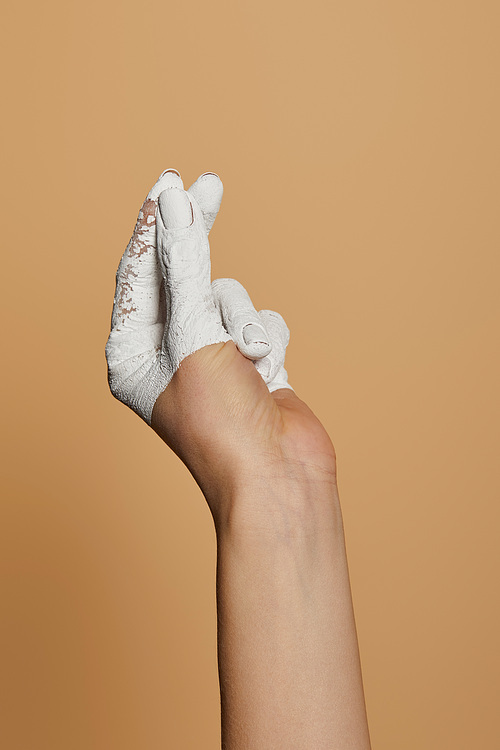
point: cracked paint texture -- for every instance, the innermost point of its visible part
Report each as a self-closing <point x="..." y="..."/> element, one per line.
<point x="166" y="306"/>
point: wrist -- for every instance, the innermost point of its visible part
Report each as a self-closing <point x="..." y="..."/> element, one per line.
<point x="291" y="502"/>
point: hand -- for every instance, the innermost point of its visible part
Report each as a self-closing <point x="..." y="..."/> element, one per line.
<point x="214" y="409"/>
<point x="199" y="364"/>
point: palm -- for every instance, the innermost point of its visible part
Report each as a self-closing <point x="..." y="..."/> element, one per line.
<point x="222" y="421"/>
<point x="194" y="358"/>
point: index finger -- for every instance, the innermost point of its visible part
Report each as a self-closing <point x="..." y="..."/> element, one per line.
<point x="138" y="279"/>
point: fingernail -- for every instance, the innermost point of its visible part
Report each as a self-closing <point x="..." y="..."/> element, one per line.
<point x="175" y="208"/>
<point x="255" y="335"/>
<point x="165" y="171"/>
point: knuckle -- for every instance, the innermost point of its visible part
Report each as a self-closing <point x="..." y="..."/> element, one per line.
<point x="183" y="251"/>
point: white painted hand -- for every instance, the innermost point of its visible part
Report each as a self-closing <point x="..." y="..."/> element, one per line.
<point x="166" y="307"/>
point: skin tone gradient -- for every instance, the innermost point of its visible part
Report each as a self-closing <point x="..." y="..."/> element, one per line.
<point x="195" y="360"/>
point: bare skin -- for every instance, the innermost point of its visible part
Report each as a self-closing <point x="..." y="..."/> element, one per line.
<point x="288" y="656"/>
<point x="289" y="668"/>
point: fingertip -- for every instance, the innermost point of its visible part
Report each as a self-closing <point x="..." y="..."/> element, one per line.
<point x="256" y="341"/>
<point x="212" y="179"/>
<point x="214" y="173"/>
<point x="169" y="178"/>
<point x="207" y="191"/>
<point x="276" y="325"/>
<point x="167" y="171"/>
<point x="175" y="208"/>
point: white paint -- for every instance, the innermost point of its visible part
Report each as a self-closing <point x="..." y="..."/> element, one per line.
<point x="166" y="307"/>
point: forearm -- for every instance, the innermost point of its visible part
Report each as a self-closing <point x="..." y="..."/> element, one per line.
<point x="288" y="654"/>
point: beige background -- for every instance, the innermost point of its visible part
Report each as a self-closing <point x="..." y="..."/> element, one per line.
<point x="358" y="145"/>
